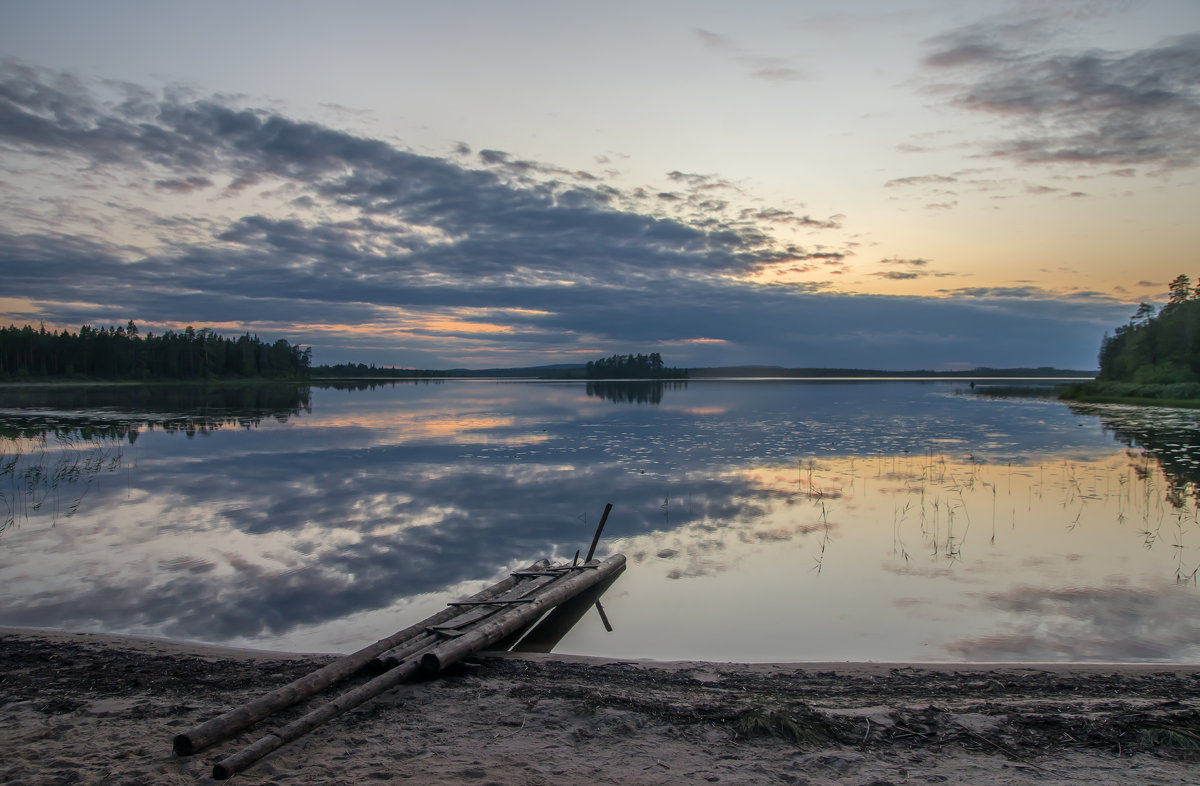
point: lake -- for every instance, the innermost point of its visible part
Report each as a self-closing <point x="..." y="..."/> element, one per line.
<point x="764" y="520"/>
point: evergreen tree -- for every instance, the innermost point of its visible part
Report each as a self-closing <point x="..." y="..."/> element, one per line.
<point x="123" y="353"/>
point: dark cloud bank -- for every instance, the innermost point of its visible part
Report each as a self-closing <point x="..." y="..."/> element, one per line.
<point x="1092" y="106"/>
<point x="358" y="231"/>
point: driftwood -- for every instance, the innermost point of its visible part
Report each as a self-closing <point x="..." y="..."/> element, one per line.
<point x="433" y="659"/>
<point x="224" y="726"/>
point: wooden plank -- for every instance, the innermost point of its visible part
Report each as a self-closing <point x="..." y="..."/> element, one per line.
<point x="488" y="602"/>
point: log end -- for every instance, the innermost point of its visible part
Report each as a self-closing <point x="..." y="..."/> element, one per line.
<point x="221" y="773"/>
<point x="182" y="745"/>
<point x="431" y="664"/>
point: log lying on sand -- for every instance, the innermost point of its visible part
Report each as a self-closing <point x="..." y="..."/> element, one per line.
<point x="232" y="765"/>
<point x="432" y="659"/>
<point x="224" y="726"/>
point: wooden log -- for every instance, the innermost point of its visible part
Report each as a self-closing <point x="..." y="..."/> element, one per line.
<point x="397" y="655"/>
<point x="534" y="580"/>
<point x="506" y="621"/>
<point x="549" y="630"/>
<point x="225" y="726"/>
<point x="230" y="766"/>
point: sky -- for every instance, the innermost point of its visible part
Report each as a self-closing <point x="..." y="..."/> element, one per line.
<point x="912" y="184"/>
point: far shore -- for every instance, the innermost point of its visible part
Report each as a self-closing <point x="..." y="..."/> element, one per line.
<point x="95" y="708"/>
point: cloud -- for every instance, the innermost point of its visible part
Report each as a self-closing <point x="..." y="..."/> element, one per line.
<point x="1095" y="107"/>
<point x="184" y="186"/>
<point x="769" y="68"/>
<point x="371" y="252"/>
<point x="918" y="180"/>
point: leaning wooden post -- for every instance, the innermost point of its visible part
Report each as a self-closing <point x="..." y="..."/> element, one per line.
<point x="599" y="529"/>
<point x="224" y="726"/>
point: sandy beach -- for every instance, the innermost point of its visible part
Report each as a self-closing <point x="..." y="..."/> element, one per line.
<point x="87" y="708"/>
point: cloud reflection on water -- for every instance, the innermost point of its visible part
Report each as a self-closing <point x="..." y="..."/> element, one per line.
<point x="1107" y="623"/>
<point x="352" y="506"/>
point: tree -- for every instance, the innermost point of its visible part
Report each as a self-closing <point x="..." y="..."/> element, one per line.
<point x="1181" y="289"/>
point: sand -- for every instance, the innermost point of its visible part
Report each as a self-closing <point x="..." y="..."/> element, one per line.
<point x="86" y="708"/>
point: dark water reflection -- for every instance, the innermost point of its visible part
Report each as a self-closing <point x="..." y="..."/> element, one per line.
<point x="637" y="392"/>
<point x="1170" y="436"/>
<point x="344" y="512"/>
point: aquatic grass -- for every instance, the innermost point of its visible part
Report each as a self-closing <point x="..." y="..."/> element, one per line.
<point x="898" y="517"/>
<point x="37" y="476"/>
<point x="799" y="726"/>
<point x="819" y="558"/>
<point x="1169" y="735"/>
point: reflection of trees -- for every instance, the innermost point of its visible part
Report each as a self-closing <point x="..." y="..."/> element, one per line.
<point x="639" y="392"/>
<point x="121" y="411"/>
<point x="372" y="384"/>
<point x="1170" y="436"/>
<point x="55" y="438"/>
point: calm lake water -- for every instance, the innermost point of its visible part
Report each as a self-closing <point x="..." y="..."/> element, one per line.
<point x="763" y="520"/>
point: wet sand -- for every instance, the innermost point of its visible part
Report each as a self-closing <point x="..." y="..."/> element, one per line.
<point x="86" y="708"/>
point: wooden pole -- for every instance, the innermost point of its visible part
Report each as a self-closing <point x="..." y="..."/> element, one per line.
<point x="599" y="529"/>
<point x="604" y="617"/>
<point x="397" y="655"/>
<point x="230" y="766"/>
<point x="225" y="726"/>
<point x="500" y="625"/>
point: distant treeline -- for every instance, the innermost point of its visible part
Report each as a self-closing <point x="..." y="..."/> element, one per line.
<point x="364" y="371"/>
<point x="805" y="373"/>
<point x="633" y="367"/>
<point x="124" y="353"/>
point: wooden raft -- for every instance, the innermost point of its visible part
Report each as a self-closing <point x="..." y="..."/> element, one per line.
<point x="497" y="614"/>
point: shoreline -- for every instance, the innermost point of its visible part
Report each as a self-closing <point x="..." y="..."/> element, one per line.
<point x="100" y="708"/>
<point x="199" y="649"/>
